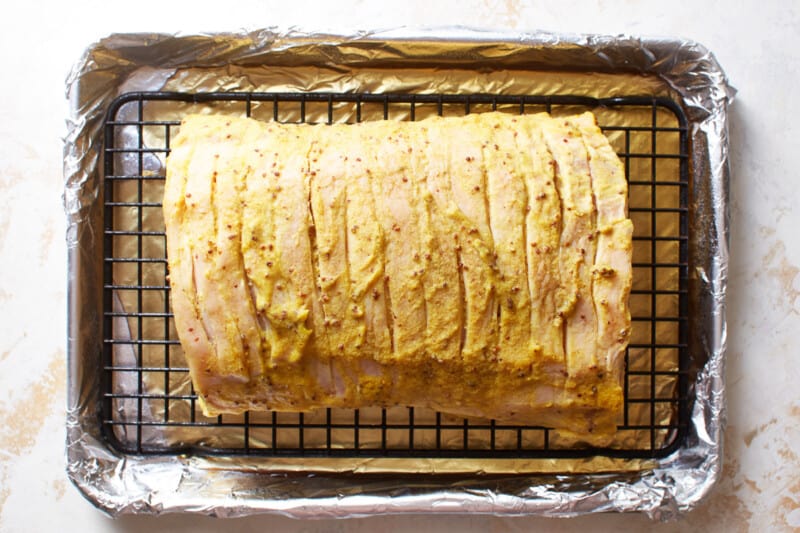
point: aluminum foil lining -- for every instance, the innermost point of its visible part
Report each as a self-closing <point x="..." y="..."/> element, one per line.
<point x="423" y="61"/>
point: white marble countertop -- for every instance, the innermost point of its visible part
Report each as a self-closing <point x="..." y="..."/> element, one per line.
<point x="757" y="43"/>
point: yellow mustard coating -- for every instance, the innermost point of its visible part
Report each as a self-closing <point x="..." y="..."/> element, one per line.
<point x="478" y="265"/>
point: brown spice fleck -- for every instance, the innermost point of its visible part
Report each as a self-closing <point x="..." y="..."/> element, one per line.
<point x="605" y="272"/>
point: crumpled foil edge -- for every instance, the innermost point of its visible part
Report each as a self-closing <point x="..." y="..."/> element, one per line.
<point x="119" y="484"/>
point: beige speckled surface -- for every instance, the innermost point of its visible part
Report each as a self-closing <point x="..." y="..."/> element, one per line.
<point x="757" y="45"/>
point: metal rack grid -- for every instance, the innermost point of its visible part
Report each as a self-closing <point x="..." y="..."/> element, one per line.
<point x="149" y="407"/>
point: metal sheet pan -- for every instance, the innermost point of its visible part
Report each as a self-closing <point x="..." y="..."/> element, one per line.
<point x="445" y="60"/>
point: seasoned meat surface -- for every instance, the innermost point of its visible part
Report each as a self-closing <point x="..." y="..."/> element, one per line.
<point x="479" y="265"/>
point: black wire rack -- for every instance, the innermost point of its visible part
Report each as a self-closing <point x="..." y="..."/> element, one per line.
<point x="149" y="406"/>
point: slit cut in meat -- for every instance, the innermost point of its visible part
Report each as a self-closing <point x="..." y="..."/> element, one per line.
<point x="614" y="240"/>
<point x="231" y="283"/>
<point x="475" y="246"/>
<point x="200" y="176"/>
<point x="398" y="216"/>
<point x="317" y="321"/>
<point x="577" y="240"/>
<point x="543" y="224"/>
<point x="442" y="280"/>
<point x="479" y="265"/>
<point x="506" y="215"/>
<point x="294" y="278"/>
<point x="182" y="274"/>
<point x="365" y="245"/>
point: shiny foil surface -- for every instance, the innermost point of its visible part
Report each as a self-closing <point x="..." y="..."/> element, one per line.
<point x="443" y="60"/>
